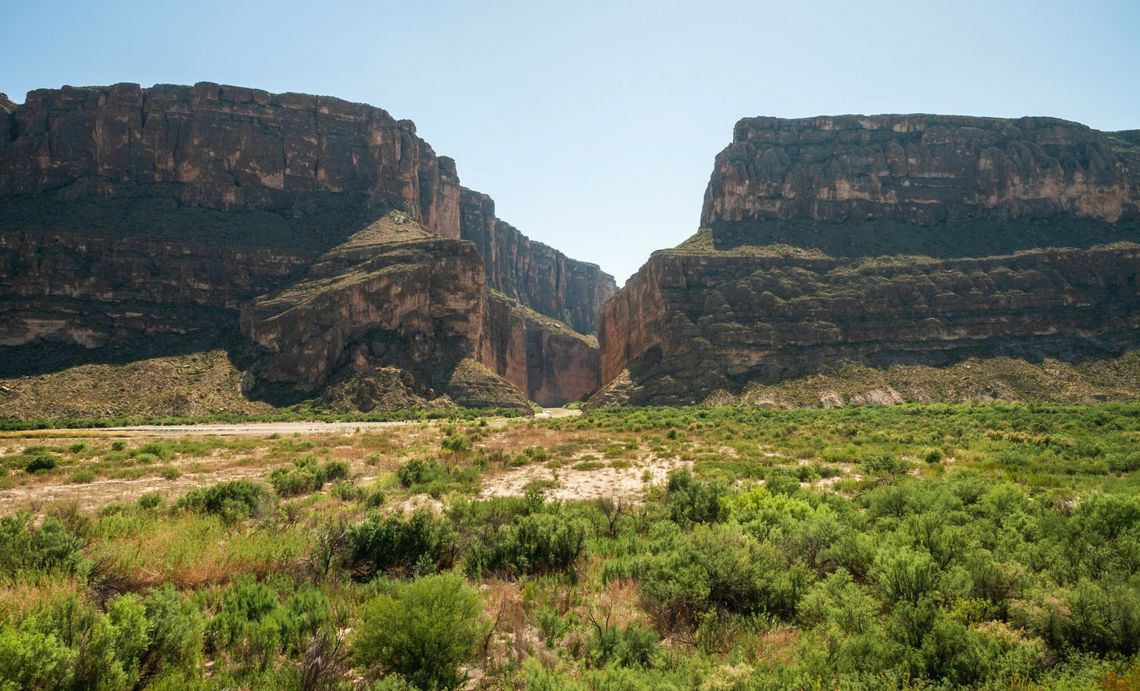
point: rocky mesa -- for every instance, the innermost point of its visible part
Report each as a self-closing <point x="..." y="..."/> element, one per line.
<point x="317" y="240"/>
<point x="886" y="241"/>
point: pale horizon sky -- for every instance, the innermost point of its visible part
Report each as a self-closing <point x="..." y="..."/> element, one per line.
<point x="594" y="125"/>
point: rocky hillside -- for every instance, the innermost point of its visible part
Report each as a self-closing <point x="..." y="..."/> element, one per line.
<point x="886" y="241"/>
<point x="140" y="222"/>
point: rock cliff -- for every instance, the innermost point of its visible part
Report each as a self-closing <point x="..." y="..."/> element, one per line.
<point x="131" y="217"/>
<point x="886" y="240"/>
<point x="536" y="275"/>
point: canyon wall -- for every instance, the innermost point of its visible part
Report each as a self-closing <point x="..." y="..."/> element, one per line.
<point x="536" y="275"/>
<point x="131" y="216"/>
<point x="883" y="241"/>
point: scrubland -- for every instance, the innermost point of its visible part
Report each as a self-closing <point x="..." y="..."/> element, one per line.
<point x="914" y="546"/>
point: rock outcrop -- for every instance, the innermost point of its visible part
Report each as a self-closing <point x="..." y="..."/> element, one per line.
<point x="130" y="216"/>
<point x="807" y="259"/>
<point x="536" y="275"/>
<point x="230" y="148"/>
<point x="920" y="170"/>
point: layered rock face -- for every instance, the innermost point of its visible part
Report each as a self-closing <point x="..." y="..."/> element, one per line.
<point x="921" y="170"/>
<point x="536" y="275"/>
<point x="224" y="147"/>
<point x="806" y="259"/>
<point x="129" y="215"/>
<point x="543" y="357"/>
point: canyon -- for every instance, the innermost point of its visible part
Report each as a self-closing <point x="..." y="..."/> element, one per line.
<point x="335" y="258"/>
<point x="322" y="243"/>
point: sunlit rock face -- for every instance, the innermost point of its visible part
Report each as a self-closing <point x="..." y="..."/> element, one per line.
<point x="130" y="216"/>
<point x="887" y="240"/>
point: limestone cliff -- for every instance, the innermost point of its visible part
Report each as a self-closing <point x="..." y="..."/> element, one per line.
<point x="919" y="169"/>
<point x="131" y="217"/>
<point x="808" y="258"/>
<point x="536" y="275"/>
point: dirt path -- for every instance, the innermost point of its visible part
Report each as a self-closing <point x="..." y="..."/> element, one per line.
<point x="260" y="429"/>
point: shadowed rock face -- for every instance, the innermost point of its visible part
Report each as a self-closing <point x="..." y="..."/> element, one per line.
<point x="781" y="282"/>
<point x="396" y="296"/>
<point x="536" y="275"/>
<point x="128" y="214"/>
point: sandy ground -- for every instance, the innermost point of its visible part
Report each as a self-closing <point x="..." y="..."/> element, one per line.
<point x="627" y="483"/>
<point x="261" y="429"/>
<point x="92" y="495"/>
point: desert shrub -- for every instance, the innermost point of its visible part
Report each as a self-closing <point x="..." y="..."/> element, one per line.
<point x="838" y="600"/>
<point x="41" y="463"/>
<point x="176" y="627"/>
<point x="906" y="574"/>
<point x="715" y="568"/>
<point x="254" y="625"/>
<point x="29" y="550"/>
<point x="458" y="444"/>
<point x="1103" y="619"/>
<point x="417" y="545"/>
<point x="432" y="477"/>
<point x="155" y="450"/>
<point x="951" y="653"/>
<point x="536" y="543"/>
<point x="420" y="471"/>
<point x="34" y="660"/>
<point x="884" y="465"/>
<point x="423" y="631"/>
<point x="306" y="476"/>
<point x="633" y="645"/>
<point x="236" y="499"/>
<point x="82" y="476"/>
<point x="784" y="482"/>
<point x="1124" y="462"/>
<point x="91" y="650"/>
<point x="692" y="501"/>
<point x="932" y="455"/>
<point x="150" y="501"/>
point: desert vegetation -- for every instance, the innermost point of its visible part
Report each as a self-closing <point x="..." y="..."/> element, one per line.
<point x="920" y="547"/>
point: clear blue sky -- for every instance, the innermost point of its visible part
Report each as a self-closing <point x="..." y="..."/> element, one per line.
<point x="594" y="124"/>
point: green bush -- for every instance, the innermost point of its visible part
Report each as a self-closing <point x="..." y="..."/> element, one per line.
<point x="236" y="499"/>
<point x="692" y="501"/>
<point x="82" y="476"/>
<point x="458" y="444"/>
<point x="420" y="471"/>
<point x="536" y="543"/>
<point x="84" y="648"/>
<point x="176" y="627"/>
<point x="631" y="646"/>
<point x="906" y="574"/>
<point x="150" y="501"/>
<point x="884" y="465"/>
<point x="28" y="550"/>
<point x="42" y="463"/>
<point x="254" y="625"/>
<point x="34" y="660"/>
<point x="306" y="476"/>
<point x="417" y="545"/>
<point x="1124" y="463"/>
<point x="423" y="631"/>
<point x="716" y="568"/>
